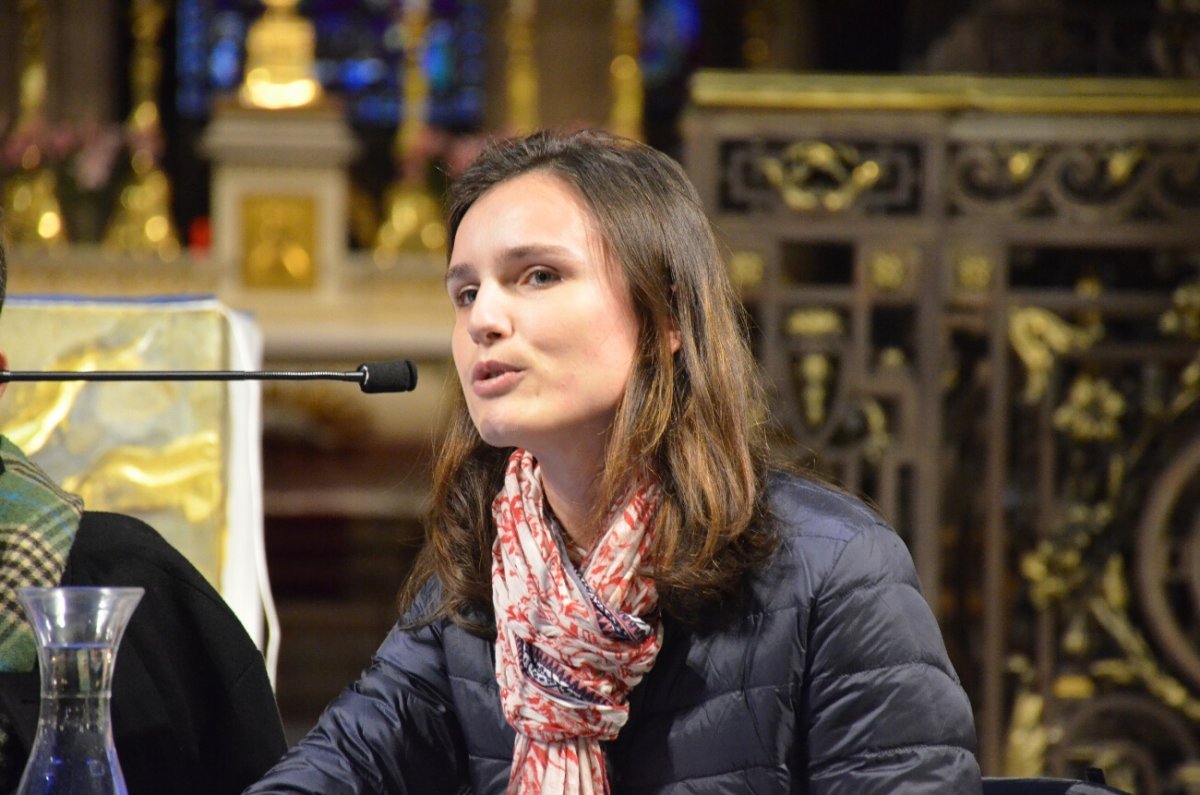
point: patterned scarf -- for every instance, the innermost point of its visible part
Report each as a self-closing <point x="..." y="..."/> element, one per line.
<point x="571" y="644"/>
<point x="38" y="522"/>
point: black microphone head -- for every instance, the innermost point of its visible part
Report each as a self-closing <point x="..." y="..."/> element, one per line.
<point x="395" y="376"/>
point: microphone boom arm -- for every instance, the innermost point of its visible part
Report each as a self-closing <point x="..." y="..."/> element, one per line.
<point x="372" y="377"/>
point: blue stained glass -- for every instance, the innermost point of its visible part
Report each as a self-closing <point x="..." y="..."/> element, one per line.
<point x="357" y="74"/>
<point x="439" y="57"/>
<point x="360" y="51"/>
<point x="670" y="35"/>
<point x="192" y="55"/>
<point x="225" y="65"/>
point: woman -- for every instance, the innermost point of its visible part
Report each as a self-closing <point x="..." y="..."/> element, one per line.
<point x="616" y="592"/>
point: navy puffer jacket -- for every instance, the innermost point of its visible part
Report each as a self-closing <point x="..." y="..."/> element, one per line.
<point x="834" y="680"/>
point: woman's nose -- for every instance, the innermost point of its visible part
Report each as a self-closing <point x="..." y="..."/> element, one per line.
<point x="489" y="319"/>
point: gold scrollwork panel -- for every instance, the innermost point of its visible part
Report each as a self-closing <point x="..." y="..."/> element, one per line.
<point x="1124" y="660"/>
<point x="279" y="241"/>
<point x="817" y="176"/>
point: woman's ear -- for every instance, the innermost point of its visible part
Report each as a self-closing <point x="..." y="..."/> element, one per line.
<point x="3" y="366"/>
<point x="673" y="336"/>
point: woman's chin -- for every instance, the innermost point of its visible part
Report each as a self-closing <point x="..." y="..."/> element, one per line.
<point x="498" y="434"/>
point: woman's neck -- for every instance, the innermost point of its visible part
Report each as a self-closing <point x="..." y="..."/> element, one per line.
<point x="572" y="488"/>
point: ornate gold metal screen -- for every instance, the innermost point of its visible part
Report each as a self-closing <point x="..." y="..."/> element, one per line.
<point x="979" y="304"/>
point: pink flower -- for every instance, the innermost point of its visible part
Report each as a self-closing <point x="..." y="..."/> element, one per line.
<point x="93" y="164"/>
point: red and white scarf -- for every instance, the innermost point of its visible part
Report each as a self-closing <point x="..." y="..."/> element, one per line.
<point x="571" y="644"/>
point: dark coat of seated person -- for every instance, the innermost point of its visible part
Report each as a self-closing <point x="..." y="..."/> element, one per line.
<point x="192" y="708"/>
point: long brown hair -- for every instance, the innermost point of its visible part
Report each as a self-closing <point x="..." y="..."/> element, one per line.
<point x="693" y="416"/>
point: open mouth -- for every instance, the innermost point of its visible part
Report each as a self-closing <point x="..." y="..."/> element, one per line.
<point x="489" y="371"/>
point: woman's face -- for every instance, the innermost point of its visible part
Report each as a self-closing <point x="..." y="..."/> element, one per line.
<point x="545" y="334"/>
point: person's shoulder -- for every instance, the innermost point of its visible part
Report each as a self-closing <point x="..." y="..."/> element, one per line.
<point x="117" y="549"/>
<point x="119" y="535"/>
<point x="805" y="507"/>
<point x="833" y="541"/>
<point x="426" y="603"/>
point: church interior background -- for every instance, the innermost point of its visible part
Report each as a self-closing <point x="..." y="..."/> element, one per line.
<point x="966" y="234"/>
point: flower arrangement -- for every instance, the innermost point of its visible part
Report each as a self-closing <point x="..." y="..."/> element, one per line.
<point x="79" y="164"/>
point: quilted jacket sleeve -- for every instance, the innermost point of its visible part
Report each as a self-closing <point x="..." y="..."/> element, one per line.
<point x="393" y="731"/>
<point x="886" y="711"/>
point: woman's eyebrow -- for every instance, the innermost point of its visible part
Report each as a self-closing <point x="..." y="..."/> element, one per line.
<point x="535" y="250"/>
<point x="458" y="272"/>
<point x="464" y="270"/>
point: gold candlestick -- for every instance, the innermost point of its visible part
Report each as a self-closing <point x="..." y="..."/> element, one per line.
<point x="625" y="72"/>
<point x="33" y="61"/>
<point x="280" y="50"/>
<point x="414" y="82"/>
<point x="522" y="77"/>
<point x="142" y="223"/>
<point x="757" y="23"/>
<point x="31" y="210"/>
<point x="412" y="221"/>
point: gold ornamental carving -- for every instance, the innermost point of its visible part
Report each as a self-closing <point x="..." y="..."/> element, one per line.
<point x="814" y="370"/>
<point x="1122" y="161"/>
<point x="878" y="439"/>
<point x="1111" y="610"/>
<point x="746" y="269"/>
<point x="413" y="223"/>
<point x="1055" y="567"/>
<point x="974" y="272"/>
<point x="815" y="176"/>
<point x="279" y="243"/>
<point x="891" y="269"/>
<point x="1039" y="336"/>
<point x="1021" y="162"/>
<point x="1092" y="411"/>
<point x="1183" y="318"/>
<point x="814" y="323"/>
<point x="1028" y="735"/>
<point x="1065" y="577"/>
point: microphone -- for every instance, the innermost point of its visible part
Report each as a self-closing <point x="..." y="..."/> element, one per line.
<point x="399" y="375"/>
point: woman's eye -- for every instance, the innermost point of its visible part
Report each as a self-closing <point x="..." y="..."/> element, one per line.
<point x="541" y="277"/>
<point x="465" y="296"/>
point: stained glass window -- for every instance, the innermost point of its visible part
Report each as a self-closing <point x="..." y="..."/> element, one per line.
<point x="360" y="46"/>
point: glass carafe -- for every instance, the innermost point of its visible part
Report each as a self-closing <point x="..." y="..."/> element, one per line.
<point x="77" y="632"/>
